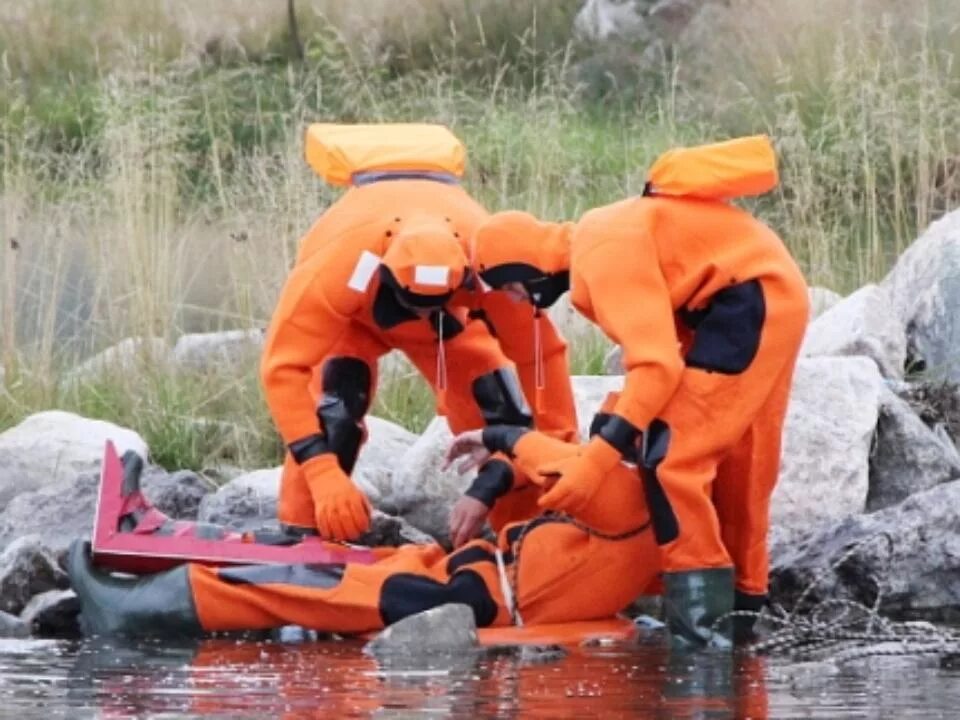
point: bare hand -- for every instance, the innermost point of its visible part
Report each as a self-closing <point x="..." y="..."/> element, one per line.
<point x="470" y="444"/>
<point x="466" y="520"/>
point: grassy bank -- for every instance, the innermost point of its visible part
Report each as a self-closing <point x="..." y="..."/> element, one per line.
<point x="152" y="182"/>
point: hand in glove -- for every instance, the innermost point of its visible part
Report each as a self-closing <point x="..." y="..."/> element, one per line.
<point x="578" y="477"/>
<point x="341" y="510"/>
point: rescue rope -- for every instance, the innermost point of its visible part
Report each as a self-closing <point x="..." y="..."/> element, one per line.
<point x="840" y="630"/>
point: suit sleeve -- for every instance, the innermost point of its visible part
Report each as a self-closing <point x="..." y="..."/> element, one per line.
<point x="621" y="276"/>
<point x="311" y="316"/>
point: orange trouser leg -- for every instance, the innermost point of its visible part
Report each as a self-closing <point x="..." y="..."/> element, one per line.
<point x="295" y="506"/>
<point x="744" y="485"/>
<point x="560" y="569"/>
<point x="707" y="417"/>
<point x="338" y="598"/>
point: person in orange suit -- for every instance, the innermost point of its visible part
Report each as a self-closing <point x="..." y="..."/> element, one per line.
<point x="544" y="570"/>
<point x="709" y="309"/>
<point x="385" y="268"/>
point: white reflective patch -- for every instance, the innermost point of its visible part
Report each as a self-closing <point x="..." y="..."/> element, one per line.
<point x="366" y="266"/>
<point x="436" y="275"/>
<point x="483" y="286"/>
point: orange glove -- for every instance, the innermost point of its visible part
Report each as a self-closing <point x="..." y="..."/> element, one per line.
<point x="578" y="477"/>
<point x="342" y="511"/>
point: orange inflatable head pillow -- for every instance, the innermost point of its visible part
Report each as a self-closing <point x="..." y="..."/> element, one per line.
<point x="719" y="171"/>
<point x="516" y="247"/>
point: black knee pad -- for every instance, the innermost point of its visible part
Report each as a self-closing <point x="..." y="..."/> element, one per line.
<point x="406" y="594"/>
<point x="500" y="398"/>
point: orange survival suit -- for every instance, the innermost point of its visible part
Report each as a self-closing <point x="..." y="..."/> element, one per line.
<point x="709" y="309"/>
<point x="550" y="569"/>
<point x="385" y="268"/>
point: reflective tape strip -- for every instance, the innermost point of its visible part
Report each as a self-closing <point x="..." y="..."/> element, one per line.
<point x="366" y="266"/>
<point x="436" y="275"/>
<point x="507" y="591"/>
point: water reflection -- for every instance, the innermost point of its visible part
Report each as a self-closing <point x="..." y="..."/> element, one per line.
<point x="255" y="679"/>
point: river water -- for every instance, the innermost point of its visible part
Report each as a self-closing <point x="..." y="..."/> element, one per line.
<point x="260" y="679"/>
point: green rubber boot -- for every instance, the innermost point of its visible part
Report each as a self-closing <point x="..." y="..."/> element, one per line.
<point x="157" y="605"/>
<point x="694" y="600"/>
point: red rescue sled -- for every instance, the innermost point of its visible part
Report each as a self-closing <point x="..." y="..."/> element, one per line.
<point x="145" y="550"/>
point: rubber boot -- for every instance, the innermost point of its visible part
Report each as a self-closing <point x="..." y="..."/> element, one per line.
<point x="158" y="605"/>
<point x="744" y="625"/>
<point x="694" y="601"/>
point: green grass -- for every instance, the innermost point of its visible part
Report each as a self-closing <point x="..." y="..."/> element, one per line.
<point x="151" y="169"/>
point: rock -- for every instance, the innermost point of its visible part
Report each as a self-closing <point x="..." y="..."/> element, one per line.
<point x="390" y="531"/>
<point x="124" y="357"/>
<point x="244" y="502"/>
<point x="27" y="568"/>
<point x="386" y="443"/>
<point x="589" y="392"/>
<point x="861" y="324"/>
<point x="599" y="20"/>
<point x="936" y="402"/>
<point x="204" y="352"/>
<point x="450" y="628"/>
<point x="912" y="550"/>
<point x="54" y="613"/>
<point x="50" y="449"/>
<point x="13" y="627"/>
<point x="821" y="300"/>
<point x="824" y="474"/>
<point x="176" y="494"/>
<point x="638" y="21"/>
<point x="925" y="297"/>
<point x="421" y="491"/>
<point x="908" y="456"/>
<point x="56" y="514"/>
<point x="60" y="513"/>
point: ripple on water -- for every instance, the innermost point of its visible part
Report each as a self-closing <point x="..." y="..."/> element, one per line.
<point x="229" y="679"/>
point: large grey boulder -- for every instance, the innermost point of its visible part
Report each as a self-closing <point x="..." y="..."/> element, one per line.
<point x="908" y="456"/>
<point x="910" y="552"/>
<point x="824" y="473"/>
<point x="925" y="296"/>
<point x="821" y="300"/>
<point x="50" y="449"/>
<point x="216" y="351"/>
<point x="386" y="443"/>
<point x="27" y="568"/>
<point x="861" y="324"/>
<point x="244" y="502"/>
<point x="450" y="628"/>
<point x="65" y="511"/>
<point x="423" y="492"/>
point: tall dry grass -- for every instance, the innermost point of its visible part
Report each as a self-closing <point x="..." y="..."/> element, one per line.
<point x="152" y="182"/>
